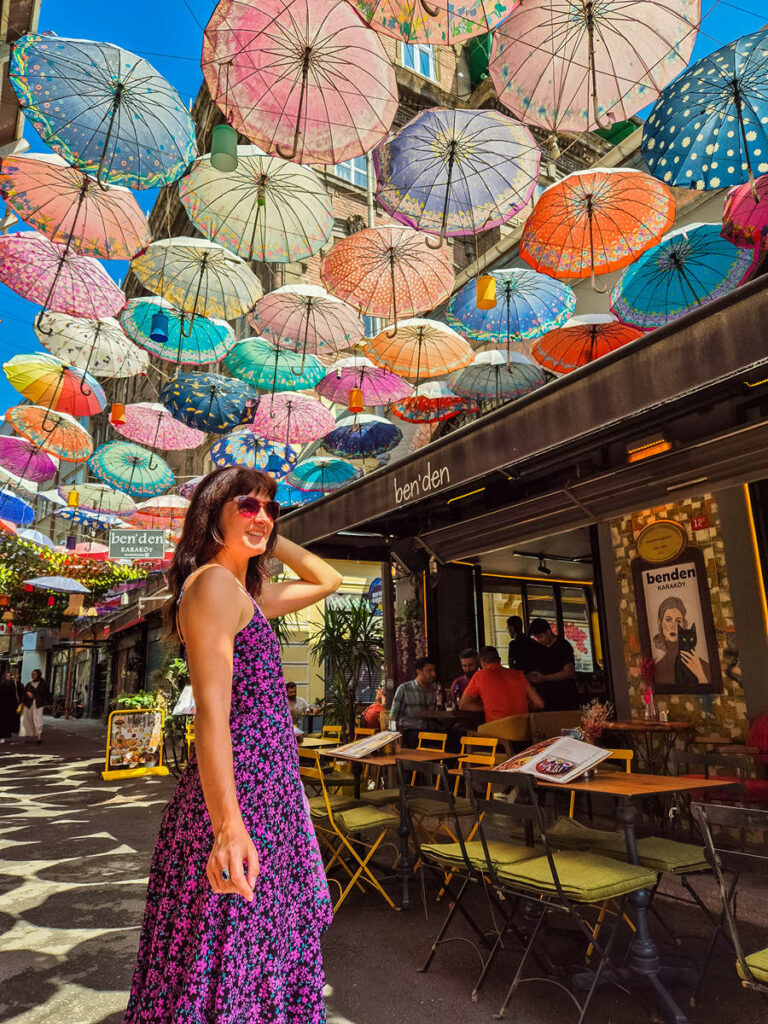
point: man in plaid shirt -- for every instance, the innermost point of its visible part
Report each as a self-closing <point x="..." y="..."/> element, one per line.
<point x="410" y="698"/>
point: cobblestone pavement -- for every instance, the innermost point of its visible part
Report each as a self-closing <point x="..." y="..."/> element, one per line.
<point x="74" y="854"/>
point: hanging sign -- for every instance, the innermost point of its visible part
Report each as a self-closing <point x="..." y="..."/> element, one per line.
<point x="134" y="744"/>
<point x="375" y="595"/>
<point x="661" y="541"/>
<point x="134" y="544"/>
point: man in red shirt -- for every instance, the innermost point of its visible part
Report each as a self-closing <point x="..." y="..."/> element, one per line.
<point x="498" y="691"/>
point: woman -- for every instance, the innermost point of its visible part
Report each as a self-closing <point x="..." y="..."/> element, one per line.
<point x="9" y="700"/>
<point x="672" y="616"/>
<point x="36" y="696"/>
<point x="237" y="897"/>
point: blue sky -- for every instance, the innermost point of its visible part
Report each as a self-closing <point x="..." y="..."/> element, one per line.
<point x="169" y="34"/>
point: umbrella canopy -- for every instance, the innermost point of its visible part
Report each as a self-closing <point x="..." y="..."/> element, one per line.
<point x="267" y="209"/>
<point x="61" y="584"/>
<point x="56" y="277"/>
<point x="165" y="512"/>
<point x="130" y="468"/>
<point x="45" y="379"/>
<point x="209" y="401"/>
<point x="709" y="128"/>
<point x="243" y="448"/>
<point x="582" y="340"/>
<point x="100" y="498"/>
<point x="99" y="346"/>
<point x="265" y="366"/>
<point x="580" y="65"/>
<point x="55" y="433"/>
<point x="306" y="318"/>
<point x="41" y="539"/>
<point x="379" y="386"/>
<point x="456" y="172"/>
<point x="291" y="418"/>
<point x="389" y="272"/>
<point x="190" y="339"/>
<point x="690" y="267"/>
<point x="432" y="401"/>
<point x="362" y="436"/>
<point x="494" y="378"/>
<point x="287" y="495"/>
<point x="596" y="221"/>
<point x="527" y="305"/>
<point x="440" y="23"/>
<point x="151" y="424"/>
<point x="26" y="460"/>
<point x="92" y="550"/>
<point x="423" y="435"/>
<point x="322" y="474"/>
<point x="303" y="79"/>
<point x="419" y="348"/>
<point x="82" y="517"/>
<point x="103" y="109"/>
<point x="12" y="482"/>
<point x="198" y="276"/>
<point x="187" y="489"/>
<point x="14" y="510"/>
<point x="745" y="216"/>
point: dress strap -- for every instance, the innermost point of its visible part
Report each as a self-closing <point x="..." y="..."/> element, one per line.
<point x="192" y="575"/>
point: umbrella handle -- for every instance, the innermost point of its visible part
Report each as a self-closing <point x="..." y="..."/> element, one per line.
<point x="431" y="11"/>
<point x="302" y="94"/>
<point x="595" y="286"/>
<point x="393" y="332"/>
<point x="592" y="67"/>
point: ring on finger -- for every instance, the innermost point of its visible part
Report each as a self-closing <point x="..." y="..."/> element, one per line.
<point x="225" y="874"/>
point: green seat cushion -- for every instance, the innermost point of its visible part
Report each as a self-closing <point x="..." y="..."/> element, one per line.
<point x="654" y="852"/>
<point x="584" y="877"/>
<point x="426" y="808"/>
<point x="758" y="964"/>
<point x="338" y="802"/>
<point x="500" y="853"/>
<point x="567" y="833"/>
<point x="361" y="818"/>
<point x="339" y="779"/>
<point x="381" y="797"/>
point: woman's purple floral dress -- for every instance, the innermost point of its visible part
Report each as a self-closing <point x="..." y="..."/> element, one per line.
<point x="210" y="959"/>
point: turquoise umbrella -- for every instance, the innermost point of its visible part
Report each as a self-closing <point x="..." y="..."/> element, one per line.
<point x="244" y="448"/>
<point x="209" y="401"/>
<point x="288" y="496"/>
<point x="167" y="332"/>
<point x="322" y="474"/>
<point x="131" y="469"/>
<point x="265" y="366"/>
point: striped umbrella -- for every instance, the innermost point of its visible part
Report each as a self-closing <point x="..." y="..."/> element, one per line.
<point x="362" y="436"/>
<point x="150" y="423"/>
<point x="420" y="348"/>
<point x="581" y="340"/>
<point x="292" y="419"/>
<point x="265" y="366"/>
<point x="183" y="339"/>
<point x="243" y="448"/>
<point x="56" y="433"/>
<point x="322" y="474"/>
<point x="130" y="468"/>
<point x="43" y="378"/>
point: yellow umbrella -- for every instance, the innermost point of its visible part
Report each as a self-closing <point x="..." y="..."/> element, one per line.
<point x="419" y="348"/>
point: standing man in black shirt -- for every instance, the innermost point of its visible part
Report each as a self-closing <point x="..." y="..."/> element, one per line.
<point x="553" y="669"/>
<point x="520" y="646"/>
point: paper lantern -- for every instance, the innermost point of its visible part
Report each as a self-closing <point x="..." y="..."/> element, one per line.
<point x="356" y="403"/>
<point x="71" y="543"/>
<point x="158" y="328"/>
<point x="224" y="148"/>
<point x="4" y="600"/>
<point x="485" y="291"/>
<point x="117" y="414"/>
<point x="73" y="499"/>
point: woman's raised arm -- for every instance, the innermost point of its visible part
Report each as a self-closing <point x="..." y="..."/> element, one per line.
<point x="316" y="580"/>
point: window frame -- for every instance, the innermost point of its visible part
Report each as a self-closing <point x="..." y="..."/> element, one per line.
<point x="418" y="49"/>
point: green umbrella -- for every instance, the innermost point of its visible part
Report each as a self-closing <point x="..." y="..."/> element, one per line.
<point x="265" y="366"/>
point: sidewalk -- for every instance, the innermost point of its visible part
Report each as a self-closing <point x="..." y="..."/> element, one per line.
<point x="74" y="856"/>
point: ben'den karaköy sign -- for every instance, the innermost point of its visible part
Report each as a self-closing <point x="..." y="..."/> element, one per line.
<point x="422" y="484"/>
<point x="135" y="544"/>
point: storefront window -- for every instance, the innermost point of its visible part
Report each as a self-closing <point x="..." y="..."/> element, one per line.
<point x="576" y="626"/>
<point x="496" y="610"/>
<point x="542" y="605"/>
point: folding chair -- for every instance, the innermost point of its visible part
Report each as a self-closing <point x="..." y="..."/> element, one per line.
<point x="385" y="797"/>
<point x="564" y="882"/>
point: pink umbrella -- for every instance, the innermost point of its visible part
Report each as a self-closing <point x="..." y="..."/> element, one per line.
<point x="91" y="549"/>
<point x="56" y="278"/>
<point x="151" y="424"/>
<point x="292" y="419"/>
<point x="378" y="385"/>
<point x="26" y="460"/>
<point x="68" y="206"/>
<point x="164" y="512"/>
<point x="305" y="318"/>
<point x="745" y="216"/>
<point x="303" y="79"/>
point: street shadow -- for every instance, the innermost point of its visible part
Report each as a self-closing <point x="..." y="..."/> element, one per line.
<point x="83" y="846"/>
<point x="119" y="867"/>
<point x="113" y="906"/>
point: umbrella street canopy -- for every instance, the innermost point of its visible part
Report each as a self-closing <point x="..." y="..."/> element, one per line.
<point x="291" y="418"/>
<point x="265" y="366"/>
<point x="59" y="584"/>
<point x="243" y="448"/>
<point x="99" y="346"/>
<point x="304" y="317"/>
<point x="419" y="348"/>
<point x="745" y="217"/>
<point x="437" y="22"/>
<point x="25" y="459"/>
<point x="150" y="423"/>
<point x="209" y="401"/>
<point x="581" y="340"/>
<point x="184" y="338"/>
<point x="131" y="468"/>
<point x="56" y="433"/>
<point x="43" y="378"/>
<point x="362" y="436"/>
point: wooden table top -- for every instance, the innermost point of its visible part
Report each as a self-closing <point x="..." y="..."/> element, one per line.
<point x="443" y="715"/>
<point x="648" y="725"/>
<point x="310" y="742"/>
<point x="635" y="784"/>
<point x="387" y="760"/>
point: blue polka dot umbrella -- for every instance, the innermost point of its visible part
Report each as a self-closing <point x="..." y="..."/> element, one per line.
<point x="244" y="448"/>
<point x="84" y="517"/>
<point x="709" y="128"/>
<point x="183" y="338"/>
<point x="265" y="366"/>
<point x="209" y="401"/>
<point x="14" y="510"/>
<point x="322" y="474"/>
<point x="362" y="436"/>
<point x="131" y="468"/>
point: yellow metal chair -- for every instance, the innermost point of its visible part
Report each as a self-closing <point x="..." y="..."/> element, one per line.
<point x="625" y="756"/>
<point x="189" y="734"/>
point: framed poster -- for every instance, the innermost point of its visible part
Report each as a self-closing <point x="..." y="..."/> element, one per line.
<point x="677" y="630"/>
<point x="134" y="744"/>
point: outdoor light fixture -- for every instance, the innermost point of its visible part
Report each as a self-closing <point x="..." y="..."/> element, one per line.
<point x="73" y="499"/>
<point x="485" y="296"/>
<point x="158" y="328"/>
<point x="356" y="403"/>
<point x="542" y="567"/>
<point x="646" y="447"/>
<point x="224" y="148"/>
<point x="117" y="414"/>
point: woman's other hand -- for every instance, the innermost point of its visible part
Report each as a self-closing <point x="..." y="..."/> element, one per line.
<point x="233" y="851"/>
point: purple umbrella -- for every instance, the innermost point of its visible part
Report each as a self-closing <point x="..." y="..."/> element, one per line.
<point x="379" y="386"/>
<point x="26" y="460"/>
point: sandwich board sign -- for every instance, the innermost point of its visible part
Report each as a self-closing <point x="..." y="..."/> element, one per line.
<point x="135" y="544"/>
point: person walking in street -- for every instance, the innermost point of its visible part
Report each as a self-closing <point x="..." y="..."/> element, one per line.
<point x="237" y="898"/>
<point x="9" y="701"/>
<point x="35" y="697"/>
<point x="497" y="691"/>
<point x="414" y="696"/>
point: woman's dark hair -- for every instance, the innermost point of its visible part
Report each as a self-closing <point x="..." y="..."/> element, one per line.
<point x="201" y="536"/>
<point x="668" y="602"/>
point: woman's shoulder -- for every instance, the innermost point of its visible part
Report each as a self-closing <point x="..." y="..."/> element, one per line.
<point x="213" y="593"/>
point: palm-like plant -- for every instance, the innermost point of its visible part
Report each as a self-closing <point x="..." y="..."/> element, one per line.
<point x="349" y="641"/>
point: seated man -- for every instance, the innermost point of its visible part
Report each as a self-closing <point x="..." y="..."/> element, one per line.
<point x="297" y="705"/>
<point x="371" y="717"/>
<point x="552" y="668"/>
<point x="498" y="691"/>
<point x="411" y="697"/>
<point x="469" y="660"/>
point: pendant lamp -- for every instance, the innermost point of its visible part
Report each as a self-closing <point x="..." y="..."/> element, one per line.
<point x="158" y="328"/>
<point x="485" y="291"/>
<point x="117" y="414"/>
<point x="71" y="542"/>
<point x="224" y="148"/>
<point x="73" y="499"/>
<point x="356" y="403"/>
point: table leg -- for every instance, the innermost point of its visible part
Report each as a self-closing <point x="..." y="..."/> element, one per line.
<point x="357" y="773"/>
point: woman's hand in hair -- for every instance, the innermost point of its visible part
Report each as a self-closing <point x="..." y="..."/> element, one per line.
<point x="317" y="579"/>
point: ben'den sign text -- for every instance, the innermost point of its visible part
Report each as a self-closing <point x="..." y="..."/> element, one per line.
<point x="430" y="480"/>
<point x="133" y="544"/>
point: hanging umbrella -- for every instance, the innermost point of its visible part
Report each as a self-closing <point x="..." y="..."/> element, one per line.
<point x="99" y="346"/>
<point x="596" y="221"/>
<point x="690" y="267"/>
<point x="745" y="216"/>
<point x="82" y="517"/>
<point x="151" y="424"/>
<point x="303" y="79"/>
<point x="322" y="474"/>
<point x="69" y="207"/>
<point x="208" y="401"/>
<point x="266" y="209"/>
<point x="59" y="584"/>
<point x="243" y="448"/>
<point x="103" y="109"/>
<point x="91" y="550"/>
<point x="389" y="272"/>
<point x="291" y="418"/>
<point x="439" y="23"/>
<point x="362" y="436"/>
<point x="187" y="338"/>
<point x="581" y="65"/>
<point x="55" y="433"/>
<point x="36" y="537"/>
<point x="495" y="377"/>
<point x="379" y="386"/>
<point x="423" y="435"/>
<point x="187" y="489"/>
<point x="100" y="498"/>
<point x="432" y="402"/>
<point x="56" y="278"/>
<point x="456" y="172"/>
<point x="13" y="509"/>
<point x="527" y="305"/>
<point x="165" y="512"/>
<point x="306" y="318"/>
<point x="582" y="340"/>
<point x="26" y="460"/>
<point x="265" y="366"/>
<point x="198" y="276"/>
<point x="709" y="128"/>
<point x="288" y="496"/>
<point x="130" y="468"/>
<point x="12" y="482"/>
<point x="420" y="348"/>
<point x="45" y="379"/>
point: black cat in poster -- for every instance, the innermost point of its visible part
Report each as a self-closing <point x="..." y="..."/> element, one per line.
<point x="685" y="680"/>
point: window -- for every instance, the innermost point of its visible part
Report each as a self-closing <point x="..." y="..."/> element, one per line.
<point x="419" y="57"/>
<point x="577" y="626"/>
<point x="354" y="171"/>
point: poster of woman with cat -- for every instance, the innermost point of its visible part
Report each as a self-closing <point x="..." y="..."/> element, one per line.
<point x="676" y="662"/>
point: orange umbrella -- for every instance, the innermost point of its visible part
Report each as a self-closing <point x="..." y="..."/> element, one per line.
<point x="582" y="340"/>
<point x="596" y="221"/>
<point x="420" y="348"/>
